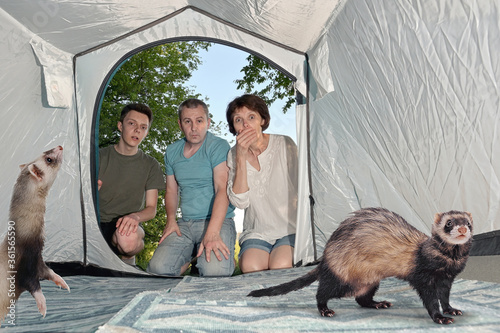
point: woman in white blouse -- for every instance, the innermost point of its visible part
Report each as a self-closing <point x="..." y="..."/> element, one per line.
<point x="262" y="181"/>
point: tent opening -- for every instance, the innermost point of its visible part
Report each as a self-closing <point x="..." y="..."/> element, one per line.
<point x="162" y="75"/>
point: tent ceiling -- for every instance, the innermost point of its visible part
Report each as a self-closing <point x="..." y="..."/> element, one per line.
<point x="76" y="26"/>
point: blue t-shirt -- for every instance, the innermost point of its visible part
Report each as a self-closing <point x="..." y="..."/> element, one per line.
<point x="195" y="175"/>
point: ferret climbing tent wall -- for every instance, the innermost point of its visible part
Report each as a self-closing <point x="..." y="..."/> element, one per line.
<point x="398" y="103"/>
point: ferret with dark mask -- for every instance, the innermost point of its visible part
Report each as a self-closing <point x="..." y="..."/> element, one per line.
<point x="21" y="262"/>
<point x="374" y="244"/>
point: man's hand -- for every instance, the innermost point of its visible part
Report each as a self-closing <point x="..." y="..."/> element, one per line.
<point x="213" y="242"/>
<point x="128" y="224"/>
<point x="170" y="228"/>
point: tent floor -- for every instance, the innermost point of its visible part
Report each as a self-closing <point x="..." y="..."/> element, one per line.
<point x="95" y="300"/>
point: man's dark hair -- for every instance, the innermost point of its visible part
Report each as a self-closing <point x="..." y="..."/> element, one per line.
<point x="138" y="107"/>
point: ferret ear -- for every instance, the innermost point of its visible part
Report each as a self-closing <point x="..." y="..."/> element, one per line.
<point x="469" y="215"/>
<point x="22" y="166"/>
<point x="37" y="173"/>
<point x="437" y="218"/>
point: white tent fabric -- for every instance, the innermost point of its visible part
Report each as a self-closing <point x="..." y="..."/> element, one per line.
<point x="402" y="103"/>
<point x="413" y="121"/>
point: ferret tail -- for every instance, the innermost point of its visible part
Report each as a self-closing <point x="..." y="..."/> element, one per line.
<point x="287" y="287"/>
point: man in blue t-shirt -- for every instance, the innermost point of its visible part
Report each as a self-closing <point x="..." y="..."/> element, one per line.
<point x="197" y="173"/>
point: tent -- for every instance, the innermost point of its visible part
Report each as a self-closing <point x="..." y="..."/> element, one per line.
<point x="398" y="103"/>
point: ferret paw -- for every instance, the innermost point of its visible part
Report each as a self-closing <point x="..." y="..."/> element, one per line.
<point x="40" y="302"/>
<point x="442" y="320"/>
<point x="453" y="312"/>
<point x="382" y="305"/>
<point x="370" y="303"/>
<point x="327" y="312"/>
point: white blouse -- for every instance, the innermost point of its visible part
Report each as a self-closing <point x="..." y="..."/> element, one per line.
<point x="271" y="202"/>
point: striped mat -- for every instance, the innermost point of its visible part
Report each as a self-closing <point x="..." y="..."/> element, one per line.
<point x="220" y="305"/>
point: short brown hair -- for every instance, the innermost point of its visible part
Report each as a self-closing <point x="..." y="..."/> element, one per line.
<point x="141" y="108"/>
<point x="252" y="102"/>
<point x="192" y="103"/>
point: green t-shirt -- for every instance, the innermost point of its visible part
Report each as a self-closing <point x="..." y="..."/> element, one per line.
<point x="125" y="180"/>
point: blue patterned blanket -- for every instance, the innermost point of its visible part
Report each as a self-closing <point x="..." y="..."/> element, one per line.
<point x="221" y="305"/>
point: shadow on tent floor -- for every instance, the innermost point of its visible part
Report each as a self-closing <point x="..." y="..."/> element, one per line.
<point x="152" y="304"/>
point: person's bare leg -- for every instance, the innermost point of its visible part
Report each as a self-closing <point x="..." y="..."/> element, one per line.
<point x="254" y="260"/>
<point x="281" y="257"/>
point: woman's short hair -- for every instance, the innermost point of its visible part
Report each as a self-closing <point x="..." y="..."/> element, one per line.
<point x="252" y="102"/>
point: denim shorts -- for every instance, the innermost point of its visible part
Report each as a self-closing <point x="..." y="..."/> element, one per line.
<point x="176" y="251"/>
<point x="263" y="245"/>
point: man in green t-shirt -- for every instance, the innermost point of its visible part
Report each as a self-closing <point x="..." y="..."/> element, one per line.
<point x="128" y="184"/>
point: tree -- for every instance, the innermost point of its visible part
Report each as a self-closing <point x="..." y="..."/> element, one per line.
<point x="155" y="77"/>
<point x="261" y="79"/>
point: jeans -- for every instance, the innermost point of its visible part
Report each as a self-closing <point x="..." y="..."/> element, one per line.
<point x="176" y="251"/>
<point x="263" y="245"/>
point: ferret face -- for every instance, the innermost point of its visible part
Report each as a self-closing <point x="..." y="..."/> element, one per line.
<point x="53" y="157"/>
<point x="44" y="168"/>
<point x="453" y="227"/>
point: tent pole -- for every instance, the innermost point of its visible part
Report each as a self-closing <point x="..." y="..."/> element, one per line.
<point x="82" y="205"/>
<point x="308" y="136"/>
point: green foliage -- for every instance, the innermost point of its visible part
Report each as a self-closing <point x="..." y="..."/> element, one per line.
<point x="261" y="79"/>
<point x="155" y="77"/>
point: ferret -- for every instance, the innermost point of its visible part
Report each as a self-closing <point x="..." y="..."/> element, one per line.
<point x="21" y="260"/>
<point x="375" y="243"/>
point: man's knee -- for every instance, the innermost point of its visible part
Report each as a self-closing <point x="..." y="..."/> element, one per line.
<point x="170" y="257"/>
<point x="158" y="266"/>
<point x="216" y="268"/>
<point x="129" y="245"/>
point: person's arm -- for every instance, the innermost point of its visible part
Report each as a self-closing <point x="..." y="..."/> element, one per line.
<point x="243" y="141"/>
<point x="241" y="200"/>
<point x="212" y="240"/>
<point x="171" y="204"/>
<point x="129" y="223"/>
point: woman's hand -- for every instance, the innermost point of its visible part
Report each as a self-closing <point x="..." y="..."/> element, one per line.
<point x="245" y="138"/>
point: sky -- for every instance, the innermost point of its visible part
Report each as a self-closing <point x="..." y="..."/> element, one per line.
<point x="214" y="80"/>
